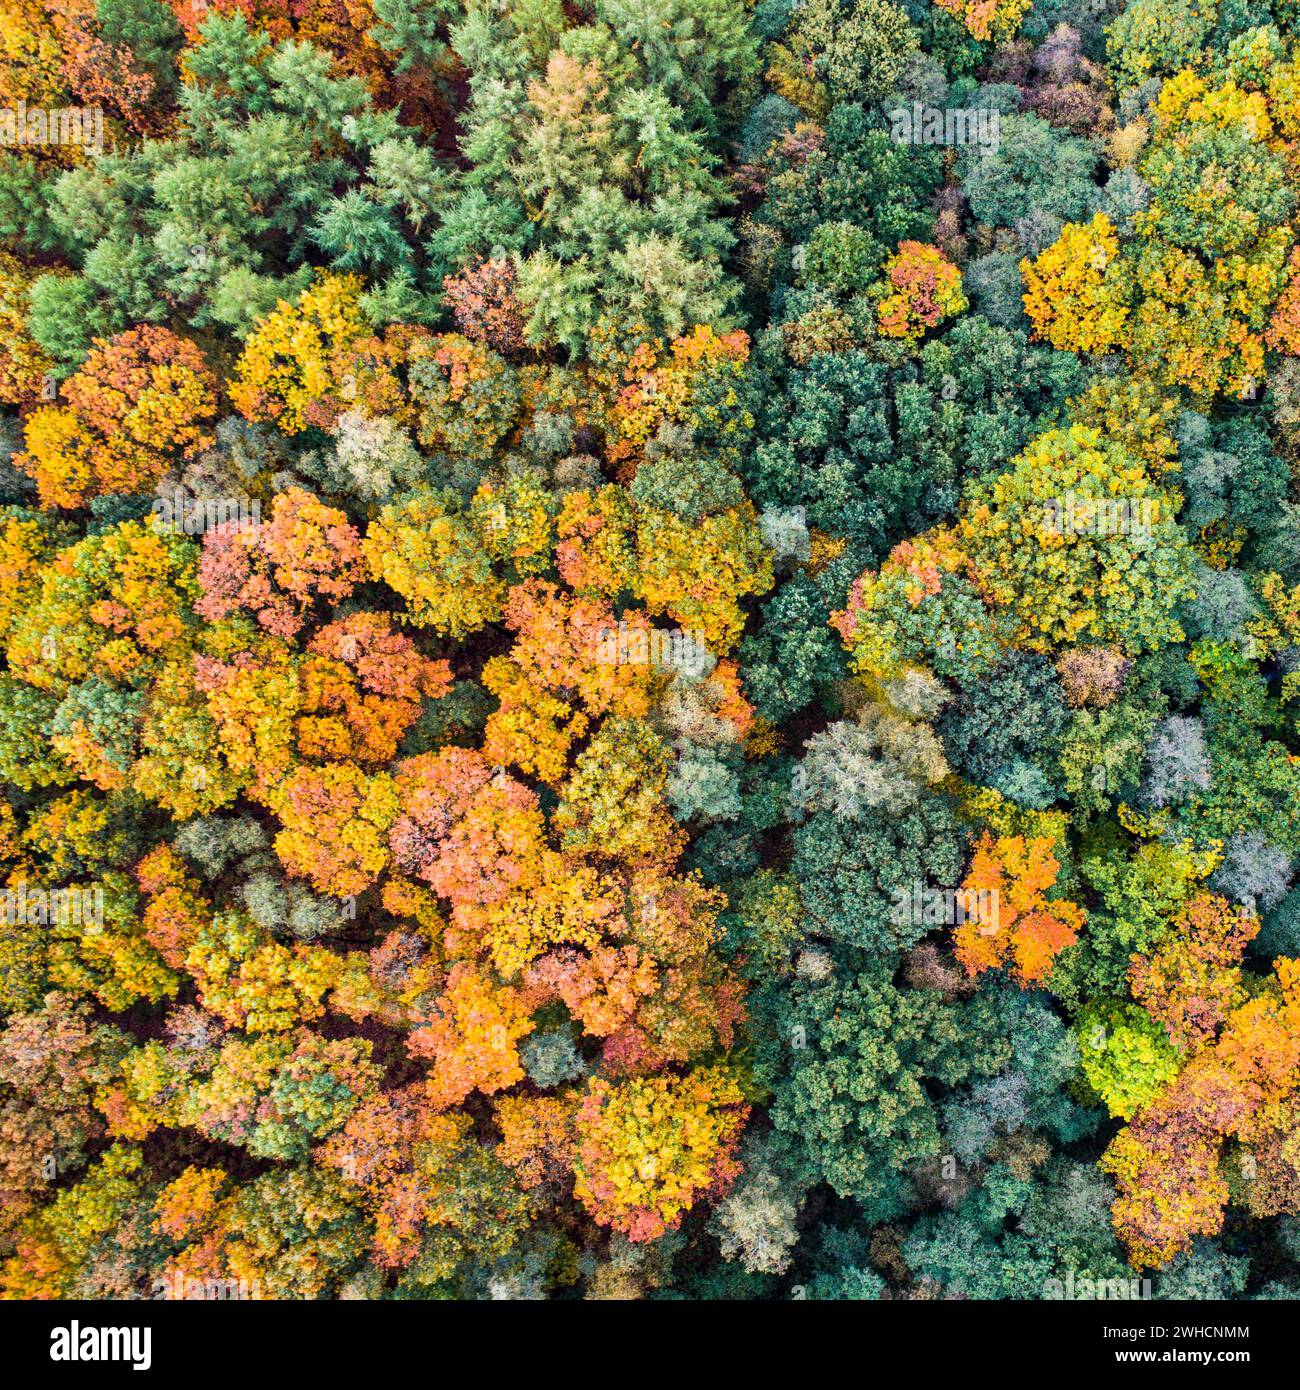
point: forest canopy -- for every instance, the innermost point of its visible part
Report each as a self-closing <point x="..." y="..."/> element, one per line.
<point x="649" y="650"/>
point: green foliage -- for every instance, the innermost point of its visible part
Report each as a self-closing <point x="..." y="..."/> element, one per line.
<point x="851" y="871"/>
<point x="834" y="1042"/>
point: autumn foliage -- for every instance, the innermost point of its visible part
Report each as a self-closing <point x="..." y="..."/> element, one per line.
<point x="649" y="651"/>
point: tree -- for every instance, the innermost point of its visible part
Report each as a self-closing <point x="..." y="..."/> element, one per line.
<point x="25" y="368"/>
<point x="1008" y="917"/>
<point x="1076" y="294"/>
<point x="756" y="1221"/>
<point x="427" y="550"/>
<point x="285" y="374"/>
<point x="650" y="1148"/>
<point x="921" y="609"/>
<point x="1126" y="1055"/>
<point x="1195" y="296"/>
<point x="280" y="1093"/>
<point x="55" y="1064"/>
<point x="472" y="1038"/>
<point x="140" y="400"/>
<point x="1191" y="981"/>
<point x="988" y="22"/>
<point x="1167" y="1162"/>
<point x="924" y="289"/>
<point x="825" y="1039"/>
<point x="335" y="820"/>
<point x="855" y="877"/>
<point x="442" y="1202"/>
<point x="876" y="761"/>
<point x="1038" y="178"/>
<point x="279" y="568"/>
<point x="1002" y="728"/>
<point x="857" y="49"/>
<point x="1065" y="560"/>
<point x="252" y="982"/>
